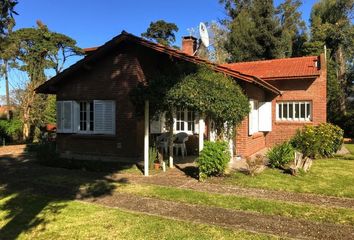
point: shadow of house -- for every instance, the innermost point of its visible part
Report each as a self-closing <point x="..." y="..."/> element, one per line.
<point x="31" y="191"/>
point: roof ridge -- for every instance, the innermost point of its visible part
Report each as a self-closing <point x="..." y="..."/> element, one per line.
<point x="270" y="60"/>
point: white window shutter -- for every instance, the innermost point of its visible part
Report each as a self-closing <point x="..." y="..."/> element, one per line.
<point x="76" y="116"/>
<point x="250" y="118"/>
<point x="156" y="124"/>
<point x="196" y="123"/>
<point x="59" y="116"/>
<point x="104" y="117"/>
<point x="67" y="119"/>
<point x="265" y="117"/>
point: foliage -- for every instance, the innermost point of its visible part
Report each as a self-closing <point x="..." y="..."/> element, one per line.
<point x="254" y="30"/>
<point x="34" y="50"/>
<point x="213" y="94"/>
<point x="293" y="28"/>
<point x="11" y="130"/>
<point x="346" y="122"/>
<point x="319" y="141"/>
<point x="331" y="25"/>
<point x="198" y="88"/>
<point x="7" y="10"/>
<point x="162" y="32"/>
<point x="280" y="155"/>
<point x="213" y="159"/>
<point x="50" y="110"/>
<point x="152" y="156"/>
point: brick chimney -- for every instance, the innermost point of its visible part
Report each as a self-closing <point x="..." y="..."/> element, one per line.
<point x="189" y="45"/>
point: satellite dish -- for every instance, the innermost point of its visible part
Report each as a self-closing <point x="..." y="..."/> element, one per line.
<point x="204" y="36"/>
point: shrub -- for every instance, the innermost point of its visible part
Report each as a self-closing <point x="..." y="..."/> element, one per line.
<point x="213" y="159"/>
<point x="280" y="155"/>
<point x="11" y="130"/>
<point x="319" y="141"/>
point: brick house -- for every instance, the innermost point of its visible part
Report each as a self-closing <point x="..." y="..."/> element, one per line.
<point x="97" y="120"/>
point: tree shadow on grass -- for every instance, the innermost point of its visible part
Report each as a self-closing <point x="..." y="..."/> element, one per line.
<point x="31" y="195"/>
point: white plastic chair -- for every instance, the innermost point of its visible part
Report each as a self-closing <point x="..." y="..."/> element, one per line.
<point x="180" y="143"/>
<point x="162" y="142"/>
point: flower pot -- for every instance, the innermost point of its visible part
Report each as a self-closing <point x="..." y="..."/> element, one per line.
<point x="156" y="166"/>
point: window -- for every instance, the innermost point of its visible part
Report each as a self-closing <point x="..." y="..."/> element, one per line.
<point x="86" y="117"/>
<point x="94" y="117"/>
<point x="294" y="111"/>
<point x="185" y="121"/>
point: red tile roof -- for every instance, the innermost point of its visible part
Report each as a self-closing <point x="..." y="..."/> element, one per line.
<point x="93" y="52"/>
<point x="286" y="68"/>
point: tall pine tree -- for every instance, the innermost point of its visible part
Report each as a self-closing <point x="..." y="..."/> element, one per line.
<point x="255" y="31"/>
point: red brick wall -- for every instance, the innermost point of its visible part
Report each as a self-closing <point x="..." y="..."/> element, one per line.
<point x="248" y="144"/>
<point x="109" y="78"/>
<point x="313" y="90"/>
<point x="298" y="90"/>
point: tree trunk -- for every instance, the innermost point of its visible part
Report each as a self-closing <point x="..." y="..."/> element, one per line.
<point x="7" y="84"/>
<point x="341" y="77"/>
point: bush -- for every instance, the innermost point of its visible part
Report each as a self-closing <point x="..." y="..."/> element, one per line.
<point x="11" y="130"/>
<point x="280" y="155"/>
<point x="319" y="141"/>
<point x="346" y="123"/>
<point x="213" y="159"/>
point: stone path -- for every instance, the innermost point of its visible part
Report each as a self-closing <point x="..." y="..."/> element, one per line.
<point x="282" y="226"/>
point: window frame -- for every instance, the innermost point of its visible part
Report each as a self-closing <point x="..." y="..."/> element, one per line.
<point x="296" y="116"/>
<point x="108" y="116"/>
<point x="89" y="108"/>
<point x="185" y="121"/>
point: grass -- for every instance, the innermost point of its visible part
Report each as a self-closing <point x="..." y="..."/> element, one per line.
<point x="333" y="177"/>
<point x="350" y="147"/>
<point x="79" y="220"/>
<point x="269" y="207"/>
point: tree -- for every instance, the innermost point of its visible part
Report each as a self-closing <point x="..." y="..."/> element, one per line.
<point x="162" y="32"/>
<point x="35" y="50"/>
<point x="218" y="53"/>
<point x="293" y="28"/>
<point x="7" y="10"/>
<point x="331" y="25"/>
<point x="254" y="30"/>
<point x="7" y="23"/>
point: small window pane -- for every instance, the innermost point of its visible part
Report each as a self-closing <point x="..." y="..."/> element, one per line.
<point x="297" y="111"/>
<point x="280" y="115"/>
<point x="285" y="110"/>
<point x="291" y="110"/>
<point x="302" y="110"/>
<point x="308" y="113"/>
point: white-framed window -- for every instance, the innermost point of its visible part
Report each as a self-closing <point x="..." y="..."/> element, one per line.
<point x="294" y="111"/>
<point x="89" y="117"/>
<point x="184" y="121"/>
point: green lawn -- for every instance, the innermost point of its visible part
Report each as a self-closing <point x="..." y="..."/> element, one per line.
<point x="269" y="207"/>
<point x="334" y="177"/>
<point x="20" y="219"/>
<point x="350" y="147"/>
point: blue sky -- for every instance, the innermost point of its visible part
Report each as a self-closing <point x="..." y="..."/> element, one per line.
<point x="93" y="22"/>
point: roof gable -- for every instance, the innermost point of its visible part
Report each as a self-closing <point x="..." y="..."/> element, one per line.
<point x="47" y="87"/>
